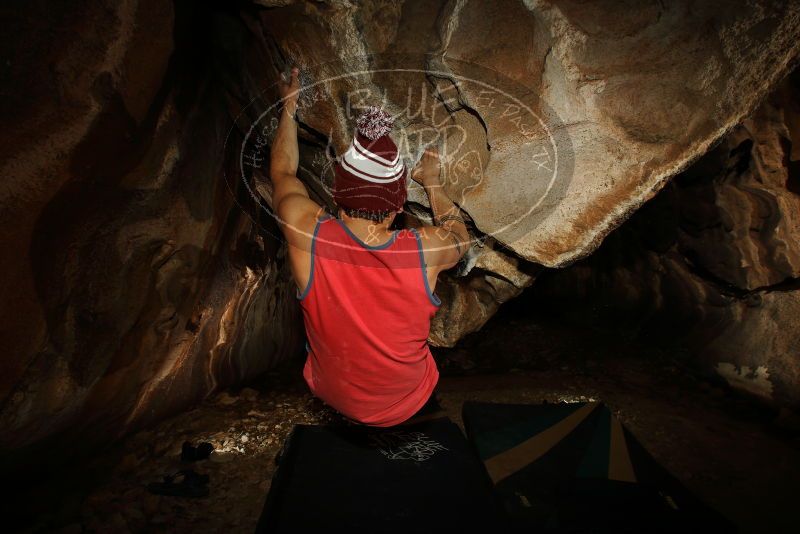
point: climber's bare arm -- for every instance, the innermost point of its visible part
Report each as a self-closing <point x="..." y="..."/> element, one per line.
<point x="446" y="242"/>
<point x="296" y="212"/>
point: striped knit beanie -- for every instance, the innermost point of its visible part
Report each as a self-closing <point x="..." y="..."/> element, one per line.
<point x="370" y="176"/>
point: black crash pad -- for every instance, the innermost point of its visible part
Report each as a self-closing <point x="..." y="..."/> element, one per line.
<point x="423" y="477"/>
<point x="575" y="468"/>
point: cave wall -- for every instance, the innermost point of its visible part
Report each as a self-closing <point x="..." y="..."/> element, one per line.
<point x="558" y="119"/>
<point x="132" y="285"/>
<point x="141" y="273"/>
<point x="711" y="264"/>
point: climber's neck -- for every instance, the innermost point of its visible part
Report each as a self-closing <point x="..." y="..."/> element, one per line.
<point x="370" y="232"/>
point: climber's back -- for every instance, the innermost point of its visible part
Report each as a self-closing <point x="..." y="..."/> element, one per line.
<point x="367" y="311"/>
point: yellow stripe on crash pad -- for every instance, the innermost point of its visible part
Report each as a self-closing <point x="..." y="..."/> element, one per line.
<point x="619" y="461"/>
<point x="509" y="462"/>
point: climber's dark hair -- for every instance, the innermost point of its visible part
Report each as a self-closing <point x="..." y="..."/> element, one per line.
<point x="374" y="216"/>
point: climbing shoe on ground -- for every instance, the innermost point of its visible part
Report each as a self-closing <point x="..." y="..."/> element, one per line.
<point x="190" y="453"/>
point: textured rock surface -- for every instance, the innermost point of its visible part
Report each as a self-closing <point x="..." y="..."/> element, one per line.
<point x="742" y="226"/>
<point x="130" y="286"/>
<point x="627" y="95"/>
<point x="714" y="260"/>
<point x="133" y="284"/>
<point x="469" y="300"/>
<point x="552" y="135"/>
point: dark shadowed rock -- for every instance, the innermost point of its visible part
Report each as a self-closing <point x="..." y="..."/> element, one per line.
<point x="132" y="285"/>
<point x="713" y="261"/>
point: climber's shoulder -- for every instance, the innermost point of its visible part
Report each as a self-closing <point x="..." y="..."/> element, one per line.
<point x="297" y="216"/>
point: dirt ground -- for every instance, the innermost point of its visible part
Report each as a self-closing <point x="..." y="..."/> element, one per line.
<point x="727" y="450"/>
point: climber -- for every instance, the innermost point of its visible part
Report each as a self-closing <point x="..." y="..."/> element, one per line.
<point x="367" y="292"/>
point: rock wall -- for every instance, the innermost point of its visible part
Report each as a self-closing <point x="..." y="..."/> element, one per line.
<point x="132" y="285"/>
<point x="142" y="269"/>
<point x="713" y="262"/>
<point x="556" y="119"/>
<point x="638" y="92"/>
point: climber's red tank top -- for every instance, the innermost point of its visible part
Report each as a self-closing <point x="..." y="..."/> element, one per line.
<point x="367" y="312"/>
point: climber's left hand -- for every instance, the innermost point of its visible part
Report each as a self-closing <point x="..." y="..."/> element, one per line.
<point x="289" y="90"/>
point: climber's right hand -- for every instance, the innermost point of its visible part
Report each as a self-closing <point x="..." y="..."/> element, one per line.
<point x="426" y="172"/>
